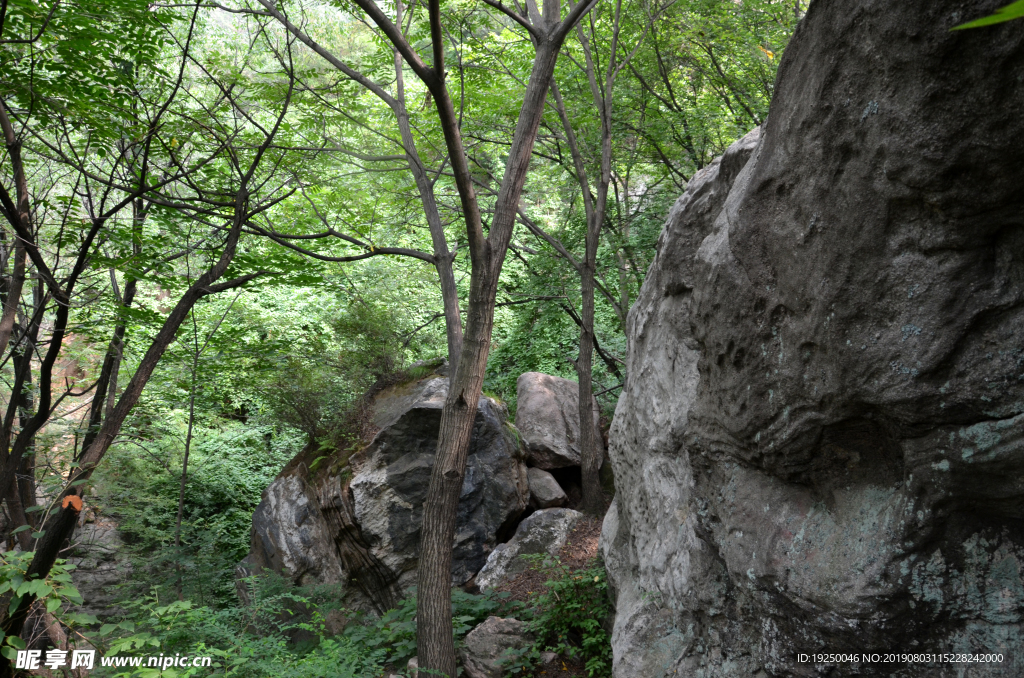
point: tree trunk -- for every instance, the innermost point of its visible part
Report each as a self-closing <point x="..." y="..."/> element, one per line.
<point x="12" y="293"/>
<point x="27" y="471"/>
<point x="443" y="258"/>
<point x="434" y="617"/>
<point x="62" y="523"/>
<point x="184" y="462"/>
<point x="591" y="454"/>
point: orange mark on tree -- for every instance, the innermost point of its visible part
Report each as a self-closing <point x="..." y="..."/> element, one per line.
<point x="74" y="501"/>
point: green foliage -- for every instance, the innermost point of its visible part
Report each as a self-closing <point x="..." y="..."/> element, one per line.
<point x="229" y="468"/>
<point x="250" y="642"/>
<point x="55" y="592"/>
<point x="568" y="618"/>
<point x="80" y="58"/>
<point x="260" y="640"/>
<point x="316" y="390"/>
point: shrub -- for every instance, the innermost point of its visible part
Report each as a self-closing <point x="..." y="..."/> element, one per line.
<point x="567" y="618"/>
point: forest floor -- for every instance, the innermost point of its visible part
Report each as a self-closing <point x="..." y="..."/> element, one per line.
<point x="579" y="551"/>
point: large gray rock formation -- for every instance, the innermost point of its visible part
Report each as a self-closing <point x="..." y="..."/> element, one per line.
<point x="819" y="448"/>
<point x="291" y="536"/>
<point x="355" y="521"/>
<point x="390" y="487"/>
<point x="548" y="419"/>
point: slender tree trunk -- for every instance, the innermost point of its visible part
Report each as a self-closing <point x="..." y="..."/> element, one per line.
<point x="12" y="298"/>
<point x="624" y="264"/>
<point x="13" y="293"/>
<point x="18" y="517"/>
<point x="434" y="616"/>
<point x="443" y="258"/>
<point x="184" y="464"/>
<point x="590" y="447"/>
<point x="20" y="492"/>
<point x="27" y="471"/>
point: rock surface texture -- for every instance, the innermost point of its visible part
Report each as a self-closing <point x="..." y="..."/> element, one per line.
<point x="99" y="564"/>
<point x="548" y="419"/>
<point x="821" y="444"/>
<point x="541" y="532"/>
<point x="390" y="487"/>
<point x="545" y="492"/>
<point x="356" y="522"/>
<point x="484" y="646"/>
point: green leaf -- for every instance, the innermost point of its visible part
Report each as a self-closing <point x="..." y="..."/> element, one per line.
<point x="52" y="604"/>
<point x="9" y="652"/>
<point x="1014" y="10"/>
<point x="15" y="641"/>
<point x="80" y="618"/>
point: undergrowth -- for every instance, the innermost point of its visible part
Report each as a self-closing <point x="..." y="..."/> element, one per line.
<point x="567" y="618"/>
<point x="283" y="633"/>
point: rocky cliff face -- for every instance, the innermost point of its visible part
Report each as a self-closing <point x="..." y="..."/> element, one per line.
<point x="820" y="445"/>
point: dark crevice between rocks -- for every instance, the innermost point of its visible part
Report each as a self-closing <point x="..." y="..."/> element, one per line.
<point x="505" y="533"/>
<point x="571" y="480"/>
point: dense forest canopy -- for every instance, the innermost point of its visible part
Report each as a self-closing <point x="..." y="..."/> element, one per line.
<point x="224" y="223"/>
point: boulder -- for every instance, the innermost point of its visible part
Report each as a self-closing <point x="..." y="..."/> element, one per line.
<point x="99" y="564"/>
<point x="354" y="521"/>
<point x="484" y="646"/>
<point x="820" y="446"/>
<point x="545" y="492"/>
<point x="541" y="532"/>
<point x="390" y="487"/>
<point x="290" y="535"/>
<point x="548" y="419"/>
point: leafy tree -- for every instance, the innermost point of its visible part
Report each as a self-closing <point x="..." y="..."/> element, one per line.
<point x="100" y="158"/>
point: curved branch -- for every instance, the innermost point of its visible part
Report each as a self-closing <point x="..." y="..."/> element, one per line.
<point x="515" y="17"/>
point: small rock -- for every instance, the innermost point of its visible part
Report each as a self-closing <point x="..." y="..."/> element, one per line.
<point x="413" y="667"/>
<point x="542" y="532"/>
<point x="548" y="658"/>
<point x="545" y="492"/>
<point x="485" y="645"/>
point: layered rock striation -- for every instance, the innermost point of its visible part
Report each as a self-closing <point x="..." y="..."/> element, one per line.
<point x="820" y="447"/>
